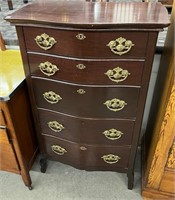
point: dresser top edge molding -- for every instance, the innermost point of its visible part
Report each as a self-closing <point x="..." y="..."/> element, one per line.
<point x="82" y="14"/>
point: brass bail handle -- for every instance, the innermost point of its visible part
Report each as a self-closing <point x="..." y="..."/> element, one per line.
<point x="117" y="74"/>
<point x="48" y="68"/>
<point x="55" y="126"/>
<point x="44" y="41"/>
<point x="115" y="104"/>
<point x="112" y="134"/>
<point x="58" y="149"/>
<point x="51" y="97"/>
<point x="111" y="158"/>
<point x="120" y="46"/>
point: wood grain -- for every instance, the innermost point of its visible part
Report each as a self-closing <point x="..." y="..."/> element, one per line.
<point x="171" y="158"/>
<point x="158" y="147"/>
<point x="92" y="14"/>
<point x="18" y="145"/>
<point x="164" y="142"/>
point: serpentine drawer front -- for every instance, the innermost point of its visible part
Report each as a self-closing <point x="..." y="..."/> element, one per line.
<point x="87" y="156"/>
<point x="108" y="101"/>
<point x="88" y="72"/>
<point x="111" y="72"/>
<point x="89" y="131"/>
<point x="101" y="44"/>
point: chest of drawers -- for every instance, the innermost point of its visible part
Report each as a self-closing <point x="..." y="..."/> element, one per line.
<point x="18" y="142"/>
<point x="88" y="67"/>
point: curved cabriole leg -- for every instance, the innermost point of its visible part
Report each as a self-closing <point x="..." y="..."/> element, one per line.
<point x="43" y="164"/>
<point x="130" y="180"/>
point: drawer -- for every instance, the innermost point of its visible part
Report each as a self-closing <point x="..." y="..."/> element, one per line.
<point x="2" y="118"/>
<point x="4" y="136"/>
<point x="87" y="156"/>
<point x="85" y="101"/>
<point x="8" y="161"/>
<point x="83" y="130"/>
<point x="85" y="71"/>
<point x="86" y="44"/>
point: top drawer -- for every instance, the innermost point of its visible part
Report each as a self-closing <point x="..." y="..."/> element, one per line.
<point x="86" y="44"/>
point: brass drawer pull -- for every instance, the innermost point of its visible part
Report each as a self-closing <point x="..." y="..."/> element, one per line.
<point x="115" y="104"/>
<point x="51" y="97"/>
<point x="120" y="46"/>
<point x="58" y="150"/>
<point x="44" y="41"/>
<point x="110" y="158"/>
<point x="55" y="126"/>
<point x="117" y="74"/>
<point x="80" y="36"/>
<point x="113" y="134"/>
<point x="48" y="68"/>
<point x="83" y="148"/>
<point x="81" y="66"/>
<point x="81" y="91"/>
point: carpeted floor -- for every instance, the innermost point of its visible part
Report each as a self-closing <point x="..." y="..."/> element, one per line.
<point x="62" y="182"/>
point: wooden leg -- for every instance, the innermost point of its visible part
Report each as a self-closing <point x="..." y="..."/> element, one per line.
<point x="26" y="179"/>
<point x="130" y="180"/>
<point x="10" y="4"/>
<point x="43" y="164"/>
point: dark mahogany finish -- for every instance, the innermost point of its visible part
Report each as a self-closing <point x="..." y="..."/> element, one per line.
<point x="68" y="70"/>
<point x="84" y="116"/>
<point x="93" y="46"/>
<point x="86" y="159"/>
<point x="84" y="130"/>
<point x="81" y="14"/>
<point x="94" y="98"/>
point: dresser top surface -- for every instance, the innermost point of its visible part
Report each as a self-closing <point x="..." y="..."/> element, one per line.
<point x="11" y="73"/>
<point x="82" y="14"/>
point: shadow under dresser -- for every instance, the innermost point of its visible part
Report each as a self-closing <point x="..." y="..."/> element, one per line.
<point x="88" y="66"/>
<point x="18" y="144"/>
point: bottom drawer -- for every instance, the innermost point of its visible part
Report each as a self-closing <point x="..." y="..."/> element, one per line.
<point x="4" y="136"/>
<point x="8" y="160"/>
<point x="89" y="157"/>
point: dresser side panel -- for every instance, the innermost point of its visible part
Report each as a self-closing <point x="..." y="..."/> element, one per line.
<point x="143" y="93"/>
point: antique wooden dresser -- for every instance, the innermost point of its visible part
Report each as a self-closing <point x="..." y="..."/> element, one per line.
<point x="18" y="143"/>
<point x="88" y="66"/>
